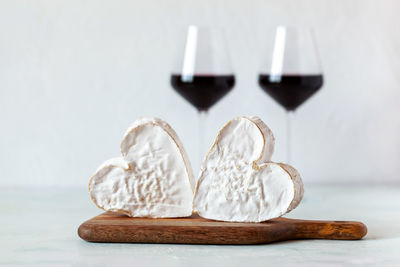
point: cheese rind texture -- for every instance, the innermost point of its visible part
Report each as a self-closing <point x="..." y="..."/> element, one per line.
<point x="239" y="183"/>
<point x="153" y="178"/>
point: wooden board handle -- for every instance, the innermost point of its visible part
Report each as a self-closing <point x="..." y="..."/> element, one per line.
<point x="340" y="230"/>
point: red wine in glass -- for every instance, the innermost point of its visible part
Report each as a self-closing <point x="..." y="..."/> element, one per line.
<point x="290" y="91"/>
<point x="203" y="91"/>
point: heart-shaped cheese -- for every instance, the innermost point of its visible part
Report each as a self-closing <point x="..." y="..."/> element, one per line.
<point x="153" y="178"/>
<point x="238" y="182"/>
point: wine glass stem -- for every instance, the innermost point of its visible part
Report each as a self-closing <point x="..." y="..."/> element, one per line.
<point x="289" y="132"/>
<point x="202" y="131"/>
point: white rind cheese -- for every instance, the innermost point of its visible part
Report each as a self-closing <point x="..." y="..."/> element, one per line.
<point x="153" y="178"/>
<point x="239" y="183"/>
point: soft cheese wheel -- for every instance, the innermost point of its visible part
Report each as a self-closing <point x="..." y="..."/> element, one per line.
<point x="238" y="182"/>
<point x="153" y="178"/>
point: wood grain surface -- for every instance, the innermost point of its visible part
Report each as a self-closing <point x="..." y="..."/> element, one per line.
<point x="113" y="227"/>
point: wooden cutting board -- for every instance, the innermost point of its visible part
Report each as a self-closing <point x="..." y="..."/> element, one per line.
<point x="113" y="227"/>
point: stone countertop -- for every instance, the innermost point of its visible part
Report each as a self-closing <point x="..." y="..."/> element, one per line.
<point x="39" y="227"/>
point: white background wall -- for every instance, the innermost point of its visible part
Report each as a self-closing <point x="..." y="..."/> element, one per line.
<point x="74" y="74"/>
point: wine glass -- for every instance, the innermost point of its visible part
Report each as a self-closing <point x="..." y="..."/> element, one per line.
<point x="203" y="75"/>
<point x="292" y="73"/>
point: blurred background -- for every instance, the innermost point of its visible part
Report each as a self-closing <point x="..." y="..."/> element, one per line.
<point x="74" y="75"/>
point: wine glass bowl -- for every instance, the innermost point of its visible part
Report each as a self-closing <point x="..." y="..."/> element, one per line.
<point x="203" y="75"/>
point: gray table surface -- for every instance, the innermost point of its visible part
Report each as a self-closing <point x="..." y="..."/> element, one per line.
<point x="39" y="228"/>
